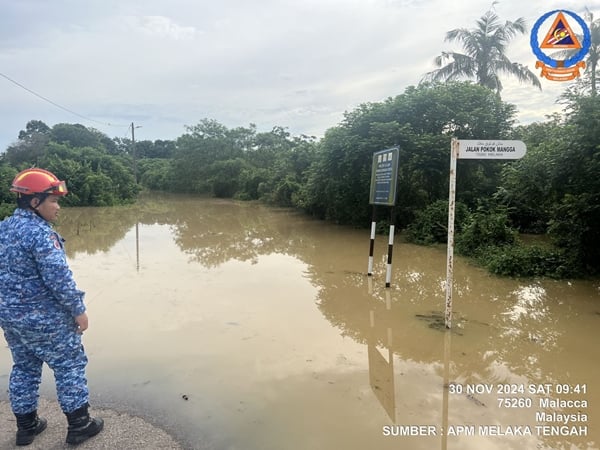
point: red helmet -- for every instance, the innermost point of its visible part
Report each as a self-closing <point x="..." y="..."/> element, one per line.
<point x="38" y="181"/>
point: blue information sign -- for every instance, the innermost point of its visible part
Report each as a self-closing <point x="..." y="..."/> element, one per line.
<point x="384" y="177"/>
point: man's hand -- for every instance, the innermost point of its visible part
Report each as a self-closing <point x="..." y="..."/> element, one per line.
<point x="82" y="322"/>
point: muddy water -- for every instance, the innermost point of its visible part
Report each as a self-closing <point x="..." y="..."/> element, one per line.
<point x="241" y="327"/>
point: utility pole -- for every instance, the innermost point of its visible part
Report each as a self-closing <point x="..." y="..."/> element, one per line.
<point x="134" y="153"/>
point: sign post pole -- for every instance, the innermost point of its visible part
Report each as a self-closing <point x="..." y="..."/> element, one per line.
<point x="388" y="273"/>
<point x="372" y="243"/>
<point x="450" y="255"/>
<point x="471" y="149"/>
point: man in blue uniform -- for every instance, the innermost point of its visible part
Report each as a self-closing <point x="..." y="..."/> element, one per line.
<point x="41" y="310"/>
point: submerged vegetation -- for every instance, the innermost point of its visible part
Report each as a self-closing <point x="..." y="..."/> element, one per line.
<point x="554" y="190"/>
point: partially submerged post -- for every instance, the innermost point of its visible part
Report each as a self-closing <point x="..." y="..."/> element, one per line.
<point x="388" y="270"/>
<point x="384" y="177"/>
<point x="471" y="149"/>
<point x="372" y="243"/>
<point x="450" y="253"/>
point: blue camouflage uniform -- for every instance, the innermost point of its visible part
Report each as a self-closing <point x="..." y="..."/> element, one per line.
<point x="38" y="303"/>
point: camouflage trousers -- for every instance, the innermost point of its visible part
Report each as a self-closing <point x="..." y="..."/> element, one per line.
<point x="55" y="342"/>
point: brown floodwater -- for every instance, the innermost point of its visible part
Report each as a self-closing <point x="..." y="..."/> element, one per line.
<point x="242" y="327"/>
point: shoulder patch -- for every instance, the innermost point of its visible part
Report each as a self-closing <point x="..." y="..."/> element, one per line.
<point x="55" y="241"/>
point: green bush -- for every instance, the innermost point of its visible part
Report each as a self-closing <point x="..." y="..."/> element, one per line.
<point x="6" y="209"/>
<point x="224" y="180"/>
<point x="483" y="229"/>
<point x="156" y="174"/>
<point x="7" y="174"/>
<point x="525" y="261"/>
<point x="574" y="229"/>
<point x="431" y="224"/>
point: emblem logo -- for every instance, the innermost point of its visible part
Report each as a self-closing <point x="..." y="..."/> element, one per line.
<point x="561" y="37"/>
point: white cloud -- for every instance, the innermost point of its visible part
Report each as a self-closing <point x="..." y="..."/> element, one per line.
<point x="164" y="27"/>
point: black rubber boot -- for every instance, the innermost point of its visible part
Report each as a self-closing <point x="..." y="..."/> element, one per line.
<point x="28" y="427"/>
<point x="82" y="426"/>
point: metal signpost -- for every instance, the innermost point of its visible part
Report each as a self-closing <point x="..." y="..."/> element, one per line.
<point x="471" y="149"/>
<point x="384" y="177"/>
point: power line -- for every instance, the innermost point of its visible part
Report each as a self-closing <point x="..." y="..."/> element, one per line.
<point x="59" y="106"/>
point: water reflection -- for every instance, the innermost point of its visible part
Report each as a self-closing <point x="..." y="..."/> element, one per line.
<point x="451" y="407"/>
<point x="381" y="367"/>
<point x="285" y="303"/>
<point x="93" y="230"/>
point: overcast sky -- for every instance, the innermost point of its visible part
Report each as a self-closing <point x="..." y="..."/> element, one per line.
<point x="298" y="64"/>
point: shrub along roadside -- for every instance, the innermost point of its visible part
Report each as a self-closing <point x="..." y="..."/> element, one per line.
<point x="487" y="238"/>
<point x="520" y="260"/>
<point x="431" y="224"/>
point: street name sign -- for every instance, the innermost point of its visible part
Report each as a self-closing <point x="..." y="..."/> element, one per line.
<point x="491" y="149"/>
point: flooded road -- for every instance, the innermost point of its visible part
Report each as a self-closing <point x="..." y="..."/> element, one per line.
<point x="242" y="327"/>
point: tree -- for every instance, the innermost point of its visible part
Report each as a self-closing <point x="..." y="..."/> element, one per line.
<point x="528" y="187"/>
<point x="555" y="188"/>
<point x="96" y="174"/>
<point x="204" y="145"/>
<point x="276" y="167"/>
<point x="421" y="121"/>
<point x="75" y="135"/>
<point x="485" y="54"/>
<point x="7" y="198"/>
<point x="86" y="171"/>
<point x="594" y="51"/>
<point x="33" y="127"/>
<point x="30" y="146"/>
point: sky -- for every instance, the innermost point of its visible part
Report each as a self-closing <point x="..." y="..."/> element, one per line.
<point x="164" y="65"/>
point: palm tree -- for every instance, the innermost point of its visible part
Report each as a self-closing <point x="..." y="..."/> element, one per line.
<point x="594" y="51"/>
<point x="484" y="57"/>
